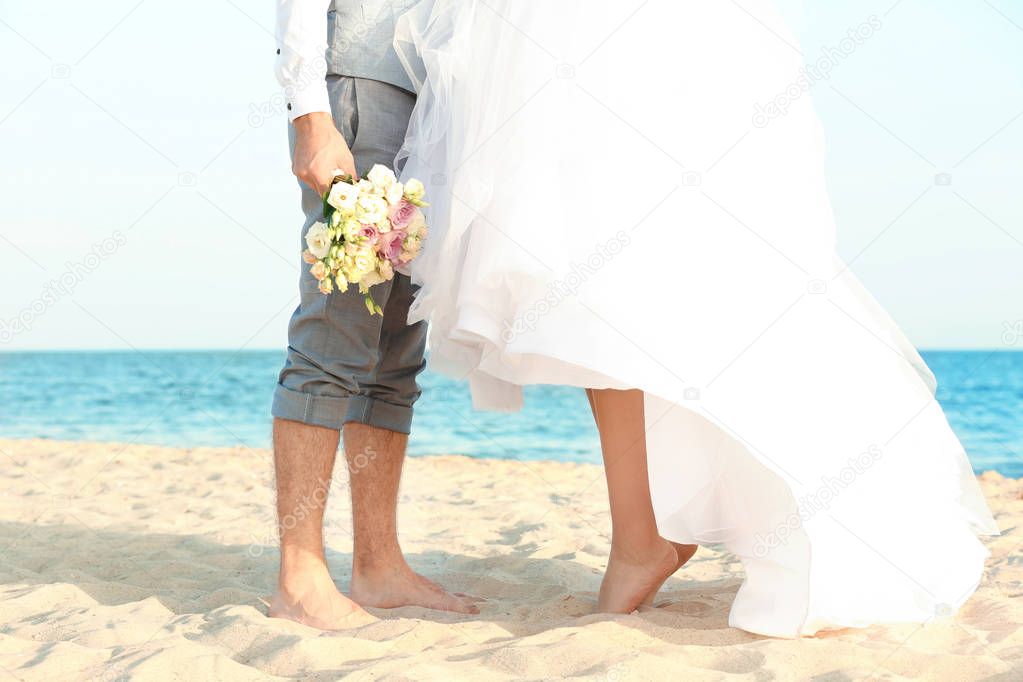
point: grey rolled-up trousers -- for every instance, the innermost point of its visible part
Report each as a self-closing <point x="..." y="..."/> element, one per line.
<point x="343" y="364"/>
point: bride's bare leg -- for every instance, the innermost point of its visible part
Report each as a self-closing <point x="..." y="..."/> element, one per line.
<point x="641" y="560"/>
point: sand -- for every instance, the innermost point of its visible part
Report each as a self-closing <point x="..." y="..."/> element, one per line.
<point x="142" y="562"/>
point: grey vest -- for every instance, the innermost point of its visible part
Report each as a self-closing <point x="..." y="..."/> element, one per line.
<point x="360" y="37"/>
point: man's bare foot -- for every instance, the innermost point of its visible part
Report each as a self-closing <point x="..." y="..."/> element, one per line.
<point x="393" y="585"/>
<point x="310" y="597"/>
<point x="685" y="553"/>
<point x="632" y="574"/>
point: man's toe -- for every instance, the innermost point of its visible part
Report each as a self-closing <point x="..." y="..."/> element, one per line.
<point x="464" y="606"/>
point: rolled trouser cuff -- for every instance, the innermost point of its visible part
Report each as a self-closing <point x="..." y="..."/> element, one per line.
<point x="327" y="411"/>
<point x="333" y="412"/>
<point x="379" y="413"/>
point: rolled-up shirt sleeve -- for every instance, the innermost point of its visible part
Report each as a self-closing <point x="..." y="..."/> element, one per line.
<point x="301" y="66"/>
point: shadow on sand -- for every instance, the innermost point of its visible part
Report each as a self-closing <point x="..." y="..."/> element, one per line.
<point x="196" y="574"/>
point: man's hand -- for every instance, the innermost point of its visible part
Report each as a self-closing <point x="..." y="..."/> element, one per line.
<point x="319" y="150"/>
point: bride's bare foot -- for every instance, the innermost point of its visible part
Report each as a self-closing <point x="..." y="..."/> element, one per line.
<point x="310" y="597"/>
<point x="395" y="584"/>
<point x="633" y="573"/>
<point x="685" y="553"/>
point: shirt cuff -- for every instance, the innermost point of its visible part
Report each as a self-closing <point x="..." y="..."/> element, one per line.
<point x="311" y="98"/>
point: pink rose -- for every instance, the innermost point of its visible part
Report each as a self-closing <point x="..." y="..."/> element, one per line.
<point x="403" y="213"/>
<point x="390" y="245"/>
<point x="369" y="233"/>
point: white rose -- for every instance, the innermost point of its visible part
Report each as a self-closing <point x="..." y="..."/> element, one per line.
<point x="350" y="229"/>
<point x="414" y="189"/>
<point x="367" y="187"/>
<point x="411" y="246"/>
<point x="318" y="240"/>
<point x="394" y="193"/>
<point x="364" y="264"/>
<point x="319" y="271"/>
<point x="416" y="226"/>
<point x="343" y="196"/>
<point x="385" y="268"/>
<point x="371" y="278"/>
<point x="371" y="209"/>
<point x="382" y="177"/>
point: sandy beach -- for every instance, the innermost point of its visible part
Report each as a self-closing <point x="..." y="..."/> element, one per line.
<point x="141" y="562"/>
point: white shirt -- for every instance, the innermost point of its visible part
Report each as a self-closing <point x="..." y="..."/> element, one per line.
<point x="360" y="44"/>
<point x="301" y="66"/>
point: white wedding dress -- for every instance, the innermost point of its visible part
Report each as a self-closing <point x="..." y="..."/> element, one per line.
<point x="610" y="210"/>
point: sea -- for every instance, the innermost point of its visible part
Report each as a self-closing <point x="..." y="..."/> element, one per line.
<point x="222" y="398"/>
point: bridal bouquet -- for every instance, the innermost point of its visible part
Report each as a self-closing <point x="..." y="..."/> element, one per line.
<point x="369" y="228"/>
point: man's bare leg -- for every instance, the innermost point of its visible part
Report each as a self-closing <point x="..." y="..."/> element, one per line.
<point x="380" y="575"/>
<point x="641" y="560"/>
<point x="303" y="464"/>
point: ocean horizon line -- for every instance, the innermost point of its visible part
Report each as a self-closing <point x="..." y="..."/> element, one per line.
<point x="221" y="397"/>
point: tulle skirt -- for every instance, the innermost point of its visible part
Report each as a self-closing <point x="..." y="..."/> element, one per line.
<point x="631" y="195"/>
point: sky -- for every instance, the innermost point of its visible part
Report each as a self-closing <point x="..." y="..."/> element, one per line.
<point x="146" y="199"/>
